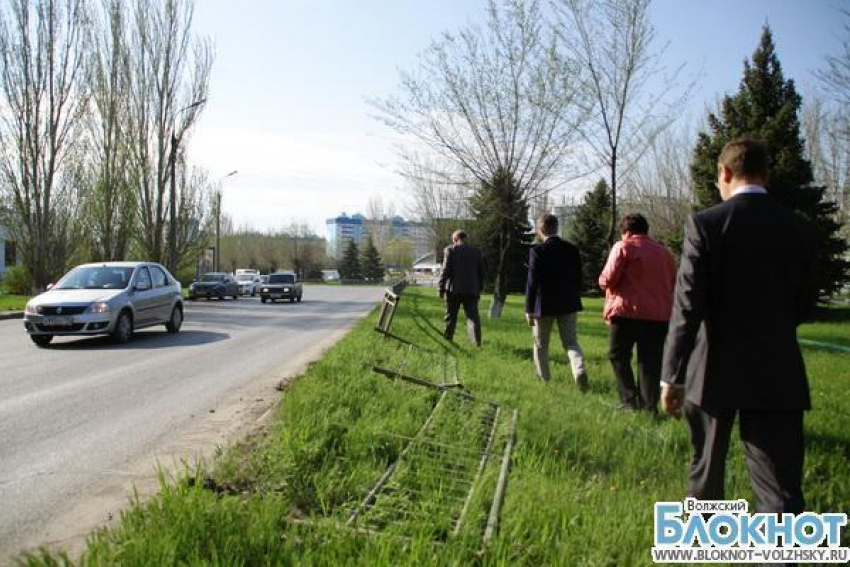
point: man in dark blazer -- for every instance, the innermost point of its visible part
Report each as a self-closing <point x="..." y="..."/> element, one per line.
<point x="461" y="283"/>
<point x="553" y="295"/>
<point x="746" y="280"/>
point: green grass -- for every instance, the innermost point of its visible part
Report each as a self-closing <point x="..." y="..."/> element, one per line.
<point x="582" y="485"/>
<point x="13" y="302"/>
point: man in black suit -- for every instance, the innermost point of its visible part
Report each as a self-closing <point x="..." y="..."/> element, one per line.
<point x="745" y="281"/>
<point x="553" y="295"/>
<point x="461" y="283"/>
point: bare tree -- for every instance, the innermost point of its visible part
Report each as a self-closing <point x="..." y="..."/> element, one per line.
<point x="828" y="150"/>
<point x="42" y="100"/>
<point x="659" y="185"/>
<point x="500" y="101"/>
<point x="613" y="40"/>
<point x="439" y="192"/>
<point x="836" y="76"/>
<point x="170" y="75"/>
<point x="379" y="221"/>
<point x="108" y="198"/>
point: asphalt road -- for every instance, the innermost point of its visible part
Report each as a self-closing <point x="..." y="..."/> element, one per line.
<point x="84" y="421"/>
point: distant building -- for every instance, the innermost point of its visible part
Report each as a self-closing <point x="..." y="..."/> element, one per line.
<point x="341" y="230"/>
<point x="566" y="216"/>
<point x="344" y="228"/>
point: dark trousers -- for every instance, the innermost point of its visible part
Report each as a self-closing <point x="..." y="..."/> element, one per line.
<point x="773" y="447"/>
<point x="470" y="308"/>
<point x="649" y="337"/>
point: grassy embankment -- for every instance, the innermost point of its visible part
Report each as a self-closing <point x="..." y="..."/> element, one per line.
<point x="582" y="485"/>
<point x="13" y="302"/>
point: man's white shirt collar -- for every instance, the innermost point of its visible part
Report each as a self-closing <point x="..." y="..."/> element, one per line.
<point x="749" y="190"/>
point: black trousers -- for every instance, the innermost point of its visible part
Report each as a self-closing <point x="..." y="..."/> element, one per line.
<point x="470" y="308"/>
<point x="649" y="337"/>
<point x="773" y="447"/>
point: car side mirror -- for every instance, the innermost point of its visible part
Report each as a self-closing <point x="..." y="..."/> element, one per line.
<point x="49" y="287"/>
<point x="142" y="286"/>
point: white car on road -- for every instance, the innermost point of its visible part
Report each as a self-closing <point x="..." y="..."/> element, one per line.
<point x="110" y="298"/>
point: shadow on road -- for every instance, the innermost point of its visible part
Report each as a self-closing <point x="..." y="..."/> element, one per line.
<point x="144" y="340"/>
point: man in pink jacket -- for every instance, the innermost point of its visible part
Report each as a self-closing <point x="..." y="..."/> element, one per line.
<point x="638" y="280"/>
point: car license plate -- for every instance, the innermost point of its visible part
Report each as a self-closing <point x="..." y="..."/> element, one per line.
<point x="58" y="321"/>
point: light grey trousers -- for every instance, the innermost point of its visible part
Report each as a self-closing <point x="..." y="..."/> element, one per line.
<point x="567" y="330"/>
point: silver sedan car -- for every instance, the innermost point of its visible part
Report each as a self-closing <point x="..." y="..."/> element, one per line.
<point x="111" y="298"/>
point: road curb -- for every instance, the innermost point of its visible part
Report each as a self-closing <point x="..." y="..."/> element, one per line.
<point x="11" y="315"/>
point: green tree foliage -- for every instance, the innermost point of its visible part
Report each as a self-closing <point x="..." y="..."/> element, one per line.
<point x="502" y="234"/>
<point x="373" y="267"/>
<point x="767" y="107"/>
<point x="589" y="231"/>
<point x="349" y="265"/>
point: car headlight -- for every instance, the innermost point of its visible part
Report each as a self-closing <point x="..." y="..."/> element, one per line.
<point x="265" y="290"/>
<point x="191" y="287"/>
<point x="31" y="309"/>
<point x="286" y="290"/>
<point x="99" y="307"/>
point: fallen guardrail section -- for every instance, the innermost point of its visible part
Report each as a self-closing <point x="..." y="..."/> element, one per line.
<point x="440" y="475"/>
<point x="436" y="476"/>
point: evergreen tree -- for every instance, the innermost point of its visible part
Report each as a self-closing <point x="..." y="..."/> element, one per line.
<point x="589" y="232"/>
<point x="349" y="265"/>
<point x="767" y="107"/>
<point x="502" y="235"/>
<point x="373" y="267"/>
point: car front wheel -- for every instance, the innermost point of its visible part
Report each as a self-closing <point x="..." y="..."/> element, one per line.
<point x="41" y="341"/>
<point x="123" y="330"/>
<point x="264" y="299"/>
<point x="176" y="321"/>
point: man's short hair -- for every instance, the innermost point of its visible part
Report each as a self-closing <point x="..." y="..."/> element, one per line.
<point x="548" y="224"/>
<point x="635" y="223"/>
<point x="746" y="158"/>
<point x="459" y="235"/>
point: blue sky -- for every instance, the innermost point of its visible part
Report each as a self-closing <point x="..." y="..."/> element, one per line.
<point x="287" y="105"/>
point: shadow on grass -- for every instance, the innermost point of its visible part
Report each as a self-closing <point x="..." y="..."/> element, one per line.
<point x="828" y="444"/>
<point x="832" y="315"/>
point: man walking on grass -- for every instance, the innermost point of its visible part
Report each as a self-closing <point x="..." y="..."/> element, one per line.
<point x="553" y="296"/>
<point x="746" y="280"/>
<point x="461" y="283"/>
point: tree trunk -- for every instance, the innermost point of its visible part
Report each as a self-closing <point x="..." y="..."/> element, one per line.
<point x="612" y="232"/>
<point x="500" y="289"/>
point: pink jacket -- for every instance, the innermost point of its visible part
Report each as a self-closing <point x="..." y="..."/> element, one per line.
<point x="638" y="280"/>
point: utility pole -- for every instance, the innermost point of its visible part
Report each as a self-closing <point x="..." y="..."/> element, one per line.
<point x="218" y="219"/>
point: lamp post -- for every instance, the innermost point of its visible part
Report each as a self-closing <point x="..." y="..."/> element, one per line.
<point x="218" y="219"/>
<point x="172" y="236"/>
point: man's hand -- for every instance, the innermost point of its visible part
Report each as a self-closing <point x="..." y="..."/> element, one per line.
<point x="530" y="319"/>
<point x="672" y="400"/>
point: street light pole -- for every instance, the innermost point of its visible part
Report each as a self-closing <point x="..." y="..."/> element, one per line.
<point x="218" y="219"/>
<point x="172" y="232"/>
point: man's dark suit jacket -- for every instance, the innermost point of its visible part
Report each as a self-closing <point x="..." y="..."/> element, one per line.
<point x="553" y="286"/>
<point x="746" y="280"/>
<point x="463" y="270"/>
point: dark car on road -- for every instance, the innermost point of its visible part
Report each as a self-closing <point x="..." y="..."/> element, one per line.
<point x="281" y="285"/>
<point x="214" y="284"/>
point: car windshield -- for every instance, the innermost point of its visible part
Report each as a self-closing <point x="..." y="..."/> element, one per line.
<point x="213" y="278"/>
<point x="244" y="277"/>
<point x="281" y="278"/>
<point x="96" y="277"/>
